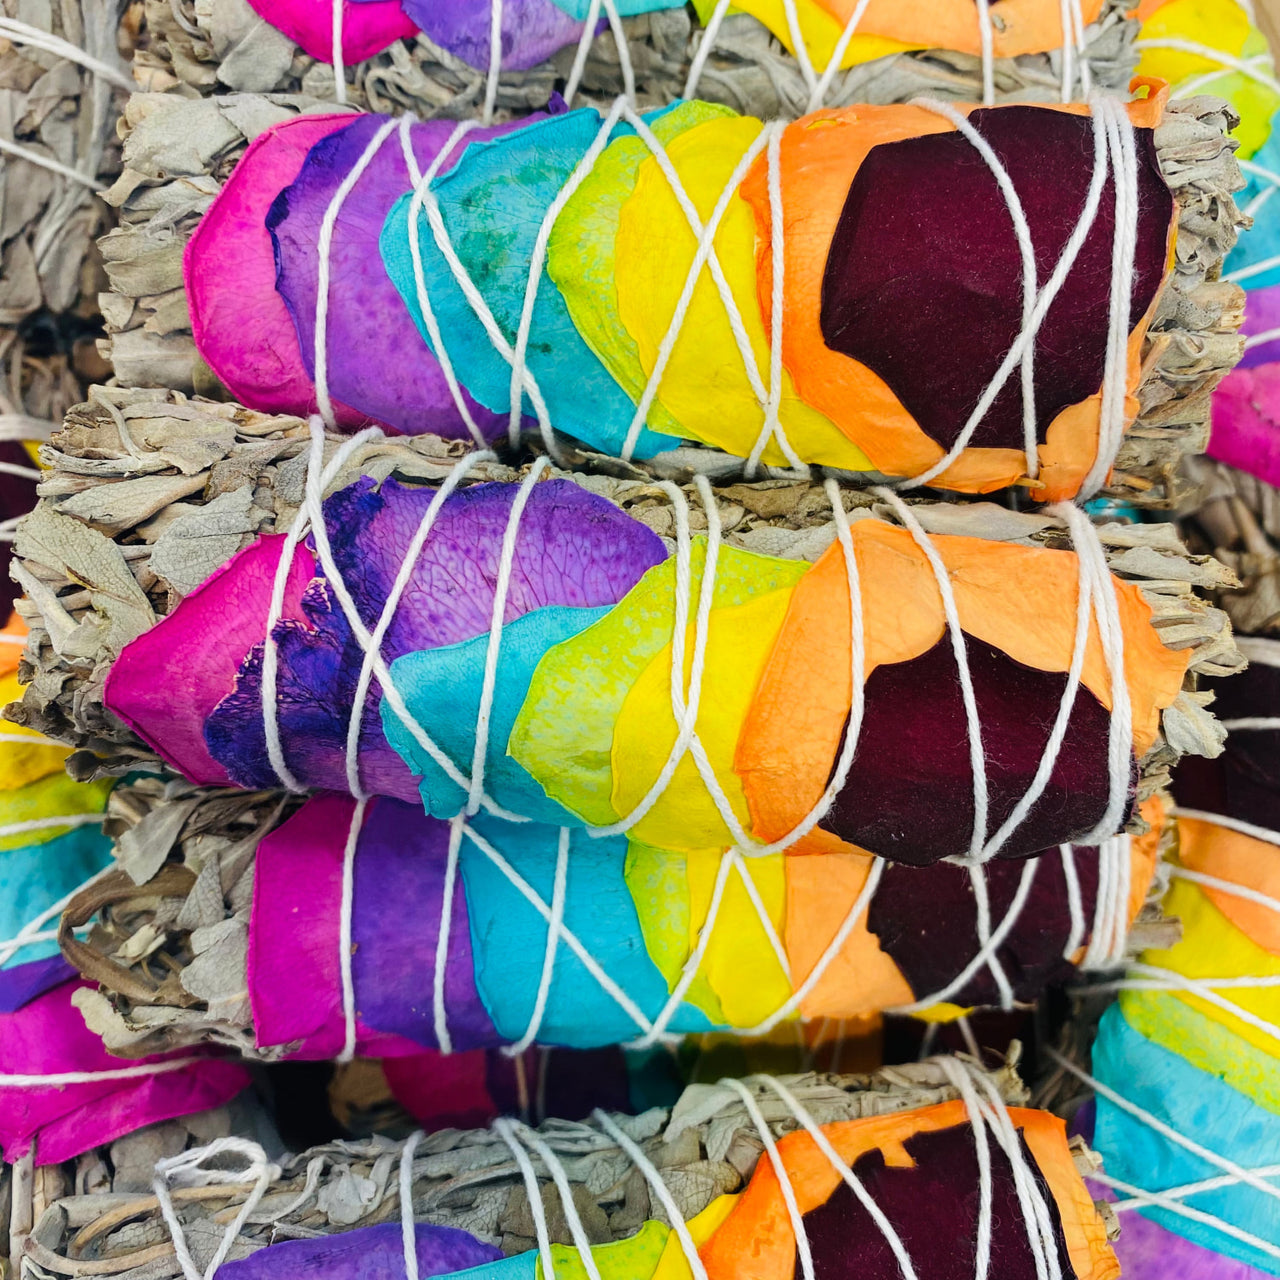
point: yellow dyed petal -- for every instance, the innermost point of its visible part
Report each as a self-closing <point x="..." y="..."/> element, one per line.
<point x="1212" y="947"/>
<point x="658" y="881"/>
<point x="582" y="258"/>
<point x="635" y="1258"/>
<point x="56" y="796"/>
<point x="741" y="980"/>
<point x="1218" y="25"/>
<point x="1207" y="1044"/>
<point x="818" y="29"/>
<point x="564" y="734"/>
<point x="34" y="757"/>
<point x="705" y="386"/>
<point x="740" y="964"/>
<point x="739" y="642"/>
<point x="673" y="1265"/>
<point x="943" y="1011"/>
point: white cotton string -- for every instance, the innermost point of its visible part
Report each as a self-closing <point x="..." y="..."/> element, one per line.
<point x="982" y="902"/>
<point x="444" y="1041"/>
<point x="495" y="60"/>
<point x="551" y="1163"/>
<point x="408" y="1232"/>
<point x="1092" y="559"/>
<point x="1035" y="1211"/>
<point x="505" y="1129"/>
<point x="1253" y="269"/>
<point x="47" y="42"/>
<point x="401" y="584"/>
<point x="584" y="46"/>
<point x="818" y="97"/>
<point x="571" y="940"/>
<point x="346" y="911"/>
<point x="847" y="1175"/>
<point x="1259" y="649"/>
<point x="1086" y="71"/>
<point x="1027" y="252"/>
<point x="977" y="755"/>
<point x="1165" y="1130"/>
<point x="987" y="950"/>
<point x="1259" y="723"/>
<point x="421" y="183"/>
<point x="537" y="258"/>
<point x="275" y="608"/>
<point x="501" y="590"/>
<point x="1162" y="1200"/>
<point x="986" y="36"/>
<point x="798" y="45"/>
<point x="1197" y="1188"/>
<point x="187" y="1170"/>
<point x="47" y="823"/>
<point x="24" y="473"/>
<point x="695" y="958"/>
<point x="31" y="156"/>
<point x="339" y="65"/>
<point x="660" y="1190"/>
<point x="762" y="913"/>
<point x="970" y="1040"/>
<point x="1108" y="941"/>
<point x="1231" y="824"/>
<point x="554" y="925"/>
<point x="425" y="201"/>
<point x="780" y="1172"/>
<point x="771" y="428"/>
<point x="313" y="510"/>
<point x="705" y="254"/>
<point x="1068" y="40"/>
<point x="1112" y="412"/>
<point x="1045" y="299"/>
<point x="31" y="932"/>
<point x="705" y="46"/>
<point x="624" y="52"/>
<point x="1248" y="67"/>
<point x="1259" y="339"/>
<point x="958" y="1077"/>
<point x="1227" y="886"/>
<point x="324" y="251"/>
<point x="55" y="1079"/>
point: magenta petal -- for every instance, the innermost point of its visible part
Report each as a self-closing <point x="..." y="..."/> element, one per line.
<point x="167" y="681"/>
<point x="241" y="326"/>
<point x="49" y="1037"/>
<point x="367" y="28"/>
<point x="1246" y="422"/>
<point x="294" y="975"/>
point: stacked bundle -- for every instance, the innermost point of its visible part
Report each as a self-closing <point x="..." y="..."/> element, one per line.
<point x="455" y="57"/>
<point x="460" y="686"/>
<point x="366" y="255"/>
<point x="724" y="1185"/>
<point x="1187" y="1112"/>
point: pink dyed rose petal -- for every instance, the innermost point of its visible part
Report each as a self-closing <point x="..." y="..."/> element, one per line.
<point x="49" y="1037"/>
<point x="1246" y="422"/>
<point x="241" y="325"/>
<point x="170" y="678"/>
<point x="367" y="28"/>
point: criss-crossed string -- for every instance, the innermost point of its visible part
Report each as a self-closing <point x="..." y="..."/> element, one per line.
<point x="1171" y="1199"/>
<point x="685" y="710"/>
<point x="1074" y="60"/>
<point x="1148" y="977"/>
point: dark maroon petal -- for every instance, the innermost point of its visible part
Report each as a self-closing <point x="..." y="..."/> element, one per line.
<point x="909" y="794"/>
<point x="933" y="1207"/>
<point x="923" y="283"/>
<point x="927" y="920"/>
<point x="17" y="497"/>
<point x="1244" y="781"/>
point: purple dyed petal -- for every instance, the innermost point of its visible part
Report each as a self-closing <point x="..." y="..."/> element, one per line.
<point x="532" y="30"/>
<point x="24" y="982"/>
<point x="574" y="549"/>
<point x="378" y="362"/>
